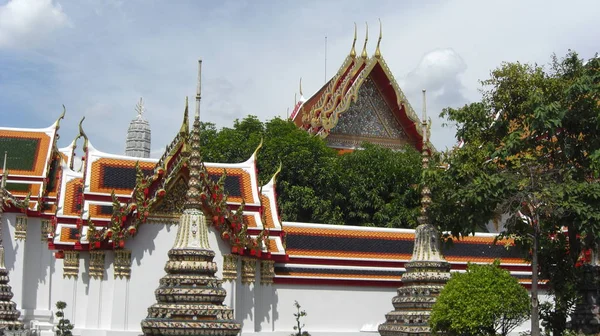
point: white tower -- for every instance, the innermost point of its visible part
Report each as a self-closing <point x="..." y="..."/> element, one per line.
<point x="138" y="134"/>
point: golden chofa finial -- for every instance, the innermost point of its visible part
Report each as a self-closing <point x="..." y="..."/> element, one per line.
<point x="185" y="125"/>
<point x="377" y="51"/>
<point x="301" y="87"/>
<point x="364" y="51"/>
<point x="353" y="50"/>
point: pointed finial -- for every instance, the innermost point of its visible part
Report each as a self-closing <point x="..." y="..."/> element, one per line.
<point x="4" y="172"/>
<point x="364" y="51"/>
<point x="185" y="126"/>
<point x="198" y="88"/>
<point x="278" y="169"/>
<point x="81" y="132"/>
<point x="61" y="117"/>
<point x="258" y="147"/>
<point x="424" y="120"/>
<point x="139" y="108"/>
<point x="353" y="50"/>
<point x="301" y="87"/>
<point x="377" y="51"/>
<point x="425" y="191"/>
<point x="195" y="158"/>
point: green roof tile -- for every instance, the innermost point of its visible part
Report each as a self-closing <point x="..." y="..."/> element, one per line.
<point x="22" y="152"/>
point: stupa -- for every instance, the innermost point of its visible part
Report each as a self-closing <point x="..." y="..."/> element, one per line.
<point x="426" y="273"/>
<point x="9" y="315"/>
<point x="190" y="297"/>
<point x="139" y="134"/>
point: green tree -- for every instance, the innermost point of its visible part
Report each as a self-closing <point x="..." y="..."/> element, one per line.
<point x="485" y="300"/>
<point x="380" y="186"/>
<point x="372" y="187"/>
<point x="531" y="150"/>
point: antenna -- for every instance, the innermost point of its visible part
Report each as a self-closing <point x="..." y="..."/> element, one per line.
<point x="325" y="58"/>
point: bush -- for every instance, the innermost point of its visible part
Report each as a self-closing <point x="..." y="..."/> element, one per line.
<point x="64" y="326"/>
<point x="485" y="300"/>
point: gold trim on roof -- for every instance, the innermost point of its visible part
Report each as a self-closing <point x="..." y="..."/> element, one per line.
<point x="353" y="50"/>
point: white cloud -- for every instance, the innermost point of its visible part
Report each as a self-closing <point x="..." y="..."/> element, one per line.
<point x="26" y="23"/>
<point x="439" y="72"/>
<point x="254" y="53"/>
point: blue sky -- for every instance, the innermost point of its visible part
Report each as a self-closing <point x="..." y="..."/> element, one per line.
<point x="99" y="57"/>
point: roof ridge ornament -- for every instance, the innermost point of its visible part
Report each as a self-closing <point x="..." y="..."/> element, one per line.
<point x="185" y="125"/>
<point x="82" y="134"/>
<point x="377" y="50"/>
<point x="353" y="50"/>
<point x="364" y="51"/>
<point x="300" y="88"/>
<point x="258" y="147"/>
<point x="61" y="117"/>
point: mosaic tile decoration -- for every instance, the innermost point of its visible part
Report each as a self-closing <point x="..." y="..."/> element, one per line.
<point x="27" y="151"/>
<point x="369" y="116"/>
<point x="380" y="245"/>
<point x="116" y="174"/>
<point x="238" y="184"/>
<point x="68" y="234"/>
<point x="73" y="193"/>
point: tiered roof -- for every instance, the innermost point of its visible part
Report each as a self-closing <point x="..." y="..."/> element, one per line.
<point x="361" y="102"/>
<point x="33" y="160"/>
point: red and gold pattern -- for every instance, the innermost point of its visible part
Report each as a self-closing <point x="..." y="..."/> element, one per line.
<point x="245" y="185"/>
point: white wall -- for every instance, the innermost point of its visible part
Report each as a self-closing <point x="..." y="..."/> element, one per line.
<point x="115" y="307"/>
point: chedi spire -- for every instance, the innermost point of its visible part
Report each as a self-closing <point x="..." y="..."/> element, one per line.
<point x="190" y="297"/>
<point x="426" y="273"/>
<point x="138" y="135"/>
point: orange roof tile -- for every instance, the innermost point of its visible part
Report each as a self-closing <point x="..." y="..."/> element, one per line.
<point x="41" y="142"/>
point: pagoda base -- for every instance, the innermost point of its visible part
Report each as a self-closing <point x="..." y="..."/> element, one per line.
<point x="423" y="282"/>
<point x="190" y="327"/>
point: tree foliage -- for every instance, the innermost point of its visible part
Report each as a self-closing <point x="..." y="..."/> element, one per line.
<point x="531" y="153"/>
<point x="373" y="186"/>
<point x="486" y="300"/>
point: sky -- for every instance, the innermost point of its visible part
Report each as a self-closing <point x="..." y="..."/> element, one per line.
<point x="99" y="57"/>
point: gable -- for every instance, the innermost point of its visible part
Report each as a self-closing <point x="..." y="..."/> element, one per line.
<point x="369" y="118"/>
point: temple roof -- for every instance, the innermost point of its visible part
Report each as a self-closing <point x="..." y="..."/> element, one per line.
<point x="31" y="162"/>
<point x="352" y="255"/>
<point x="99" y="202"/>
<point x="322" y="112"/>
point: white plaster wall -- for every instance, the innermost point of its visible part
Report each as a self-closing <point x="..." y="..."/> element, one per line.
<point x="333" y="308"/>
<point x="115" y="307"/>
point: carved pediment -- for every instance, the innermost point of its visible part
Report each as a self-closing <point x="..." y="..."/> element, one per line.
<point x="172" y="204"/>
<point x="369" y="117"/>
